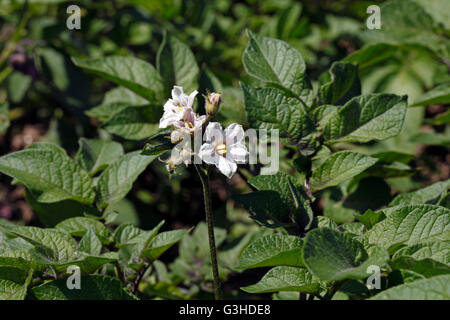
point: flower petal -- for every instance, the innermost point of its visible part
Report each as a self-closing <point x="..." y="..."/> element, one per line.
<point x="177" y="92"/>
<point x="238" y="153"/>
<point x="214" y="133"/>
<point x="207" y="154"/>
<point x="191" y="98"/>
<point x="228" y="168"/>
<point x="234" y="134"/>
<point x="168" y="119"/>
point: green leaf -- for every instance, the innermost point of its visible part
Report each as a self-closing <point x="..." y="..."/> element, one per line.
<point x="371" y="54"/>
<point x="132" y="73"/>
<point x="272" y="250"/>
<point x="126" y="234"/>
<point x="158" y="143"/>
<point x="134" y="122"/>
<point x="17" y="86"/>
<point x="117" y="180"/>
<point x="95" y="155"/>
<point x="410" y="225"/>
<point x="4" y="117"/>
<point x="176" y="64"/>
<point x="436" y="250"/>
<point x="266" y="207"/>
<point x="427" y="195"/>
<point x="415" y="28"/>
<point x="143" y="241"/>
<point x="278" y="182"/>
<point x="162" y="242"/>
<point x="436" y="288"/>
<point x="437" y="95"/>
<point x="90" y="243"/>
<point x="426" y="267"/>
<point x="338" y="167"/>
<point x="50" y="173"/>
<point x="10" y="290"/>
<point x="14" y="274"/>
<point x="343" y="84"/>
<point x="365" y="118"/>
<point x="277" y="63"/>
<point x="78" y="227"/>
<point x="370" y="218"/>
<point x="431" y="138"/>
<point x="87" y="264"/>
<point x="105" y="111"/>
<point x="270" y="108"/>
<point x="59" y="246"/>
<point x="331" y="255"/>
<point x="50" y="214"/>
<point x="93" y="287"/>
<point x="286" y="279"/>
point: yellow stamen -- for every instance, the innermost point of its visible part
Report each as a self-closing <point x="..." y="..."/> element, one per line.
<point x="221" y="149"/>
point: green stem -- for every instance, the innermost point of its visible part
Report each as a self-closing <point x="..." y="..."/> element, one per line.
<point x="209" y="221"/>
<point x="334" y="288"/>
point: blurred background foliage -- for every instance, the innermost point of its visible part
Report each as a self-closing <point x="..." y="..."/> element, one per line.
<point x="45" y="97"/>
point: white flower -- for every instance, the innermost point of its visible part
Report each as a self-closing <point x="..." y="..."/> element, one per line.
<point x="224" y="149"/>
<point x="176" y="108"/>
<point x="190" y="122"/>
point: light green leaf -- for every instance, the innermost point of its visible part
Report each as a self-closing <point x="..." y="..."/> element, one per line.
<point x="78" y="226"/>
<point x="117" y="180"/>
<point x="162" y="242"/>
<point x="428" y="195"/>
<point x="425" y="267"/>
<point x="338" y="167"/>
<point x="93" y="287"/>
<point x="132" y="73"/>
<point x="126" y="234"/>
<point x="365" y="118"/>
<point x="437" y="95"/>
<point x="176" y="64"/>
<point x="87" y="264"/>
<point x="277" y="63"/>
<point x="331" y="255"/>
<point x="431" y="138"/>
<point x="10" y="290"/>
<point x="410" y="225"/>
<point x="436" y="250"/>
<point x="371" y="54"/>
<point x="435" y="288"/>
<point x="4" y="117"/>
<point x="90" y="243"/>
<point x="286" y="279"/>
<point x="272" y="250"/>
<point x="143" y="241"/>
<point x="95" y="155"/>
<point x="59" y="246"/>
<point x="17" y="86"/>
<point x="50" y="173"/>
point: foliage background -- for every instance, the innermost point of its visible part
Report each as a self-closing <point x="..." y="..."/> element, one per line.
<point x="45" y="97"/>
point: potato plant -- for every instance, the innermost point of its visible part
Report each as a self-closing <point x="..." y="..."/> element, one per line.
<point x="93" y="123"/>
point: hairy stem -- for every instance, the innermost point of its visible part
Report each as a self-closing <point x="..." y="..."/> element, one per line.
<point x="209" y="221"/>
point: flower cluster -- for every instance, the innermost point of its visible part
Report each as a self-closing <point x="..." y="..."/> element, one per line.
<point x="222" y="148"/>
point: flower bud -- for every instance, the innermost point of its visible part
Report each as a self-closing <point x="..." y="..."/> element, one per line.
<point x="212" y="103"/>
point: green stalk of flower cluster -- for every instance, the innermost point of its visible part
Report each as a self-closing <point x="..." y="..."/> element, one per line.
<point x="209" y="221"/>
